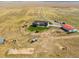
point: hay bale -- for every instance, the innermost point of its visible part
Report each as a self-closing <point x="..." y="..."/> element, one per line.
<point x="61" y="47"/>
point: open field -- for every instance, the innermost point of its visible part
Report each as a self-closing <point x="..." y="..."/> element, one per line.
<point x="12" y="20"/>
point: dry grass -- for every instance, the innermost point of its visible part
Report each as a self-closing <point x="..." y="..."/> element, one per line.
<point x="12" y="20"/>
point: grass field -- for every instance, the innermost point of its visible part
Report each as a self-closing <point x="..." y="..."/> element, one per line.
<point x="12" y="20"/>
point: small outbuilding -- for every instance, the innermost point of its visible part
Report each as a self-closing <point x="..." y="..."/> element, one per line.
<point x="69" y="28"/>
<point x="2" y="40"/>
<point x="40" y="23"/>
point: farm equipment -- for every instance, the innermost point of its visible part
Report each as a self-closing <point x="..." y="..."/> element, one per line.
<point x="33" y="39"/>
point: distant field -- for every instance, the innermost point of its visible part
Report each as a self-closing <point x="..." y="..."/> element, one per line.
<point x="12" y="19"/>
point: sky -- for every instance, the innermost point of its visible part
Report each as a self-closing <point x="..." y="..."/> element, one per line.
<point x="51" y="3"/>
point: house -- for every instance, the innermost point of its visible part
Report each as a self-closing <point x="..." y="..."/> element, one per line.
<point x="68" y="28"/>
<point x="40" y="23"/>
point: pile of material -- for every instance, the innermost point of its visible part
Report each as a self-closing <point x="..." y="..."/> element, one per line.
<point x="21" y="51"/>
<point x="2" y="40"/>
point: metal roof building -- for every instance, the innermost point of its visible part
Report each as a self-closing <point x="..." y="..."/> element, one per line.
<point x="69" y="28"/>
<point x="40" y="23"/>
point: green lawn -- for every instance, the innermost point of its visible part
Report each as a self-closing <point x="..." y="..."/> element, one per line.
<point x="39" y="29"/>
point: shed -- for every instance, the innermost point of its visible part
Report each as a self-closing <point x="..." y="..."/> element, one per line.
<point x="68" y="28"/>
<point x="2" y="40"/>
<point x="40" y="23"/>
